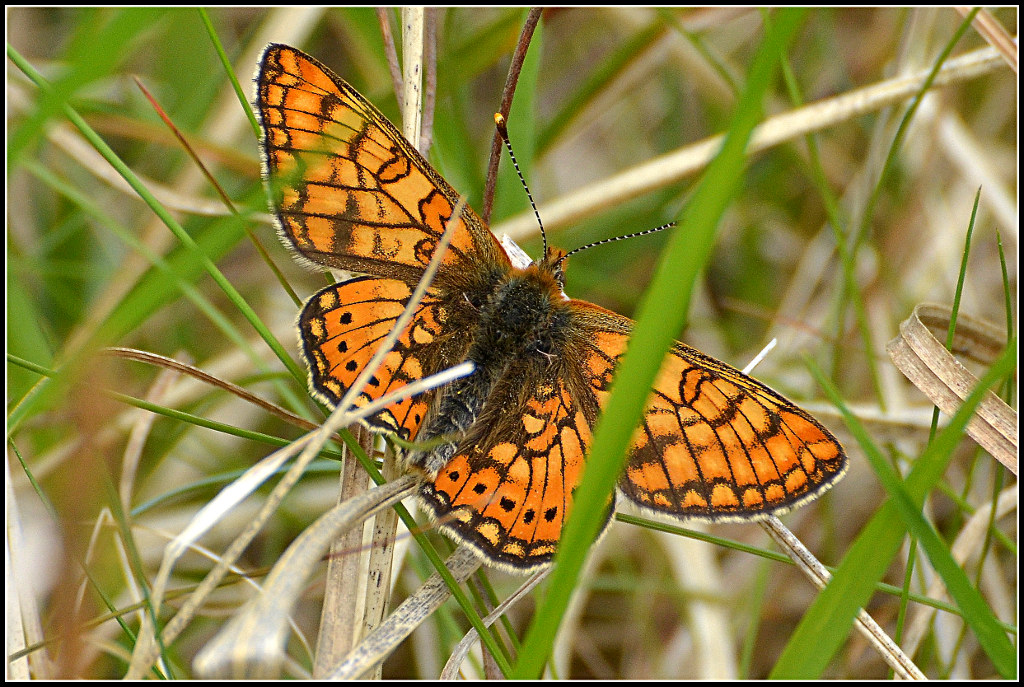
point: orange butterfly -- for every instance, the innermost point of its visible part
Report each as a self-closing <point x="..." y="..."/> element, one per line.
<point x="509" y="441"/>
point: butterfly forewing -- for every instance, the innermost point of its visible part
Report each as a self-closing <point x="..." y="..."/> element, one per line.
<point x="349" y="191"/>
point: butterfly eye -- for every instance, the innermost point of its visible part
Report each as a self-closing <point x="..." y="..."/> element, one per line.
<point x="559" y="275"/>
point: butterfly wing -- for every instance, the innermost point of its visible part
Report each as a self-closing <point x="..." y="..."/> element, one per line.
<point x="348" y="190"/>
<point x="341" y="328"/>
<point x="714" y="444"/>
<point x="508" y="488"/>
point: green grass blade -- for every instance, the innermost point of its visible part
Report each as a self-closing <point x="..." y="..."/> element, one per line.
<point x="232" y="77"/>
<point x="46" y="392"/>
<point x="657" y="326"/>
<point x="827" y="622"/>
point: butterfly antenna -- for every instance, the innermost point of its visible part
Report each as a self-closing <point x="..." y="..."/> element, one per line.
<point x="499" y="121"/>
<point x="645" y="232"/>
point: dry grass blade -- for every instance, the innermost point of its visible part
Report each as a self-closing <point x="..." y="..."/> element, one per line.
<point x="671" y="167"/>
<point x="251" y="645"/>
<point x="379" y="644"/>
<point x="996" y="34"/>
<point x="458" y="655"/>
<point x="195" y="372"/>
<point x="391" y="52"/>
<point x="412" y="73"/>
<point x="140" y="431"/>
<point x="514" y="69"/>
<point x="925" y="361"/>
<point x="819" y="576"/>
<point x="24" y="626"/>
<point x="382" y="555"/>
<point x="188" y="147"/>
<point x="339" y="614"/>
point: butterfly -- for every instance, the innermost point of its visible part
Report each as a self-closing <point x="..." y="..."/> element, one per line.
<point x="504" y="447"/>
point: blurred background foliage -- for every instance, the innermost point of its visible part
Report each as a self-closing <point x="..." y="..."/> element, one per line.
<point x="604" y="90"/>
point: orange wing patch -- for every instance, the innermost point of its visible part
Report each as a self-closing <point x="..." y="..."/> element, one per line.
<point x="714" y="443"/>
<point x="508" y="494"/>
<point x="341" y="328"/>
<point x="348" y="190"/>
<point x="718" y="445"/>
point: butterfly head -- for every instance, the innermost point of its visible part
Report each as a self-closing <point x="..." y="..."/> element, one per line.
<point x="553" y="263"/>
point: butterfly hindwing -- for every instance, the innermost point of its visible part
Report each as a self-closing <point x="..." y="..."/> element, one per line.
<point x="343" y="325"/>
<point x="718" y="445"/>
<point x="509" y="487"/>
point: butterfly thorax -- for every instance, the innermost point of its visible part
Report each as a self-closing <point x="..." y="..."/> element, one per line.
<point x="521" y="320"/>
